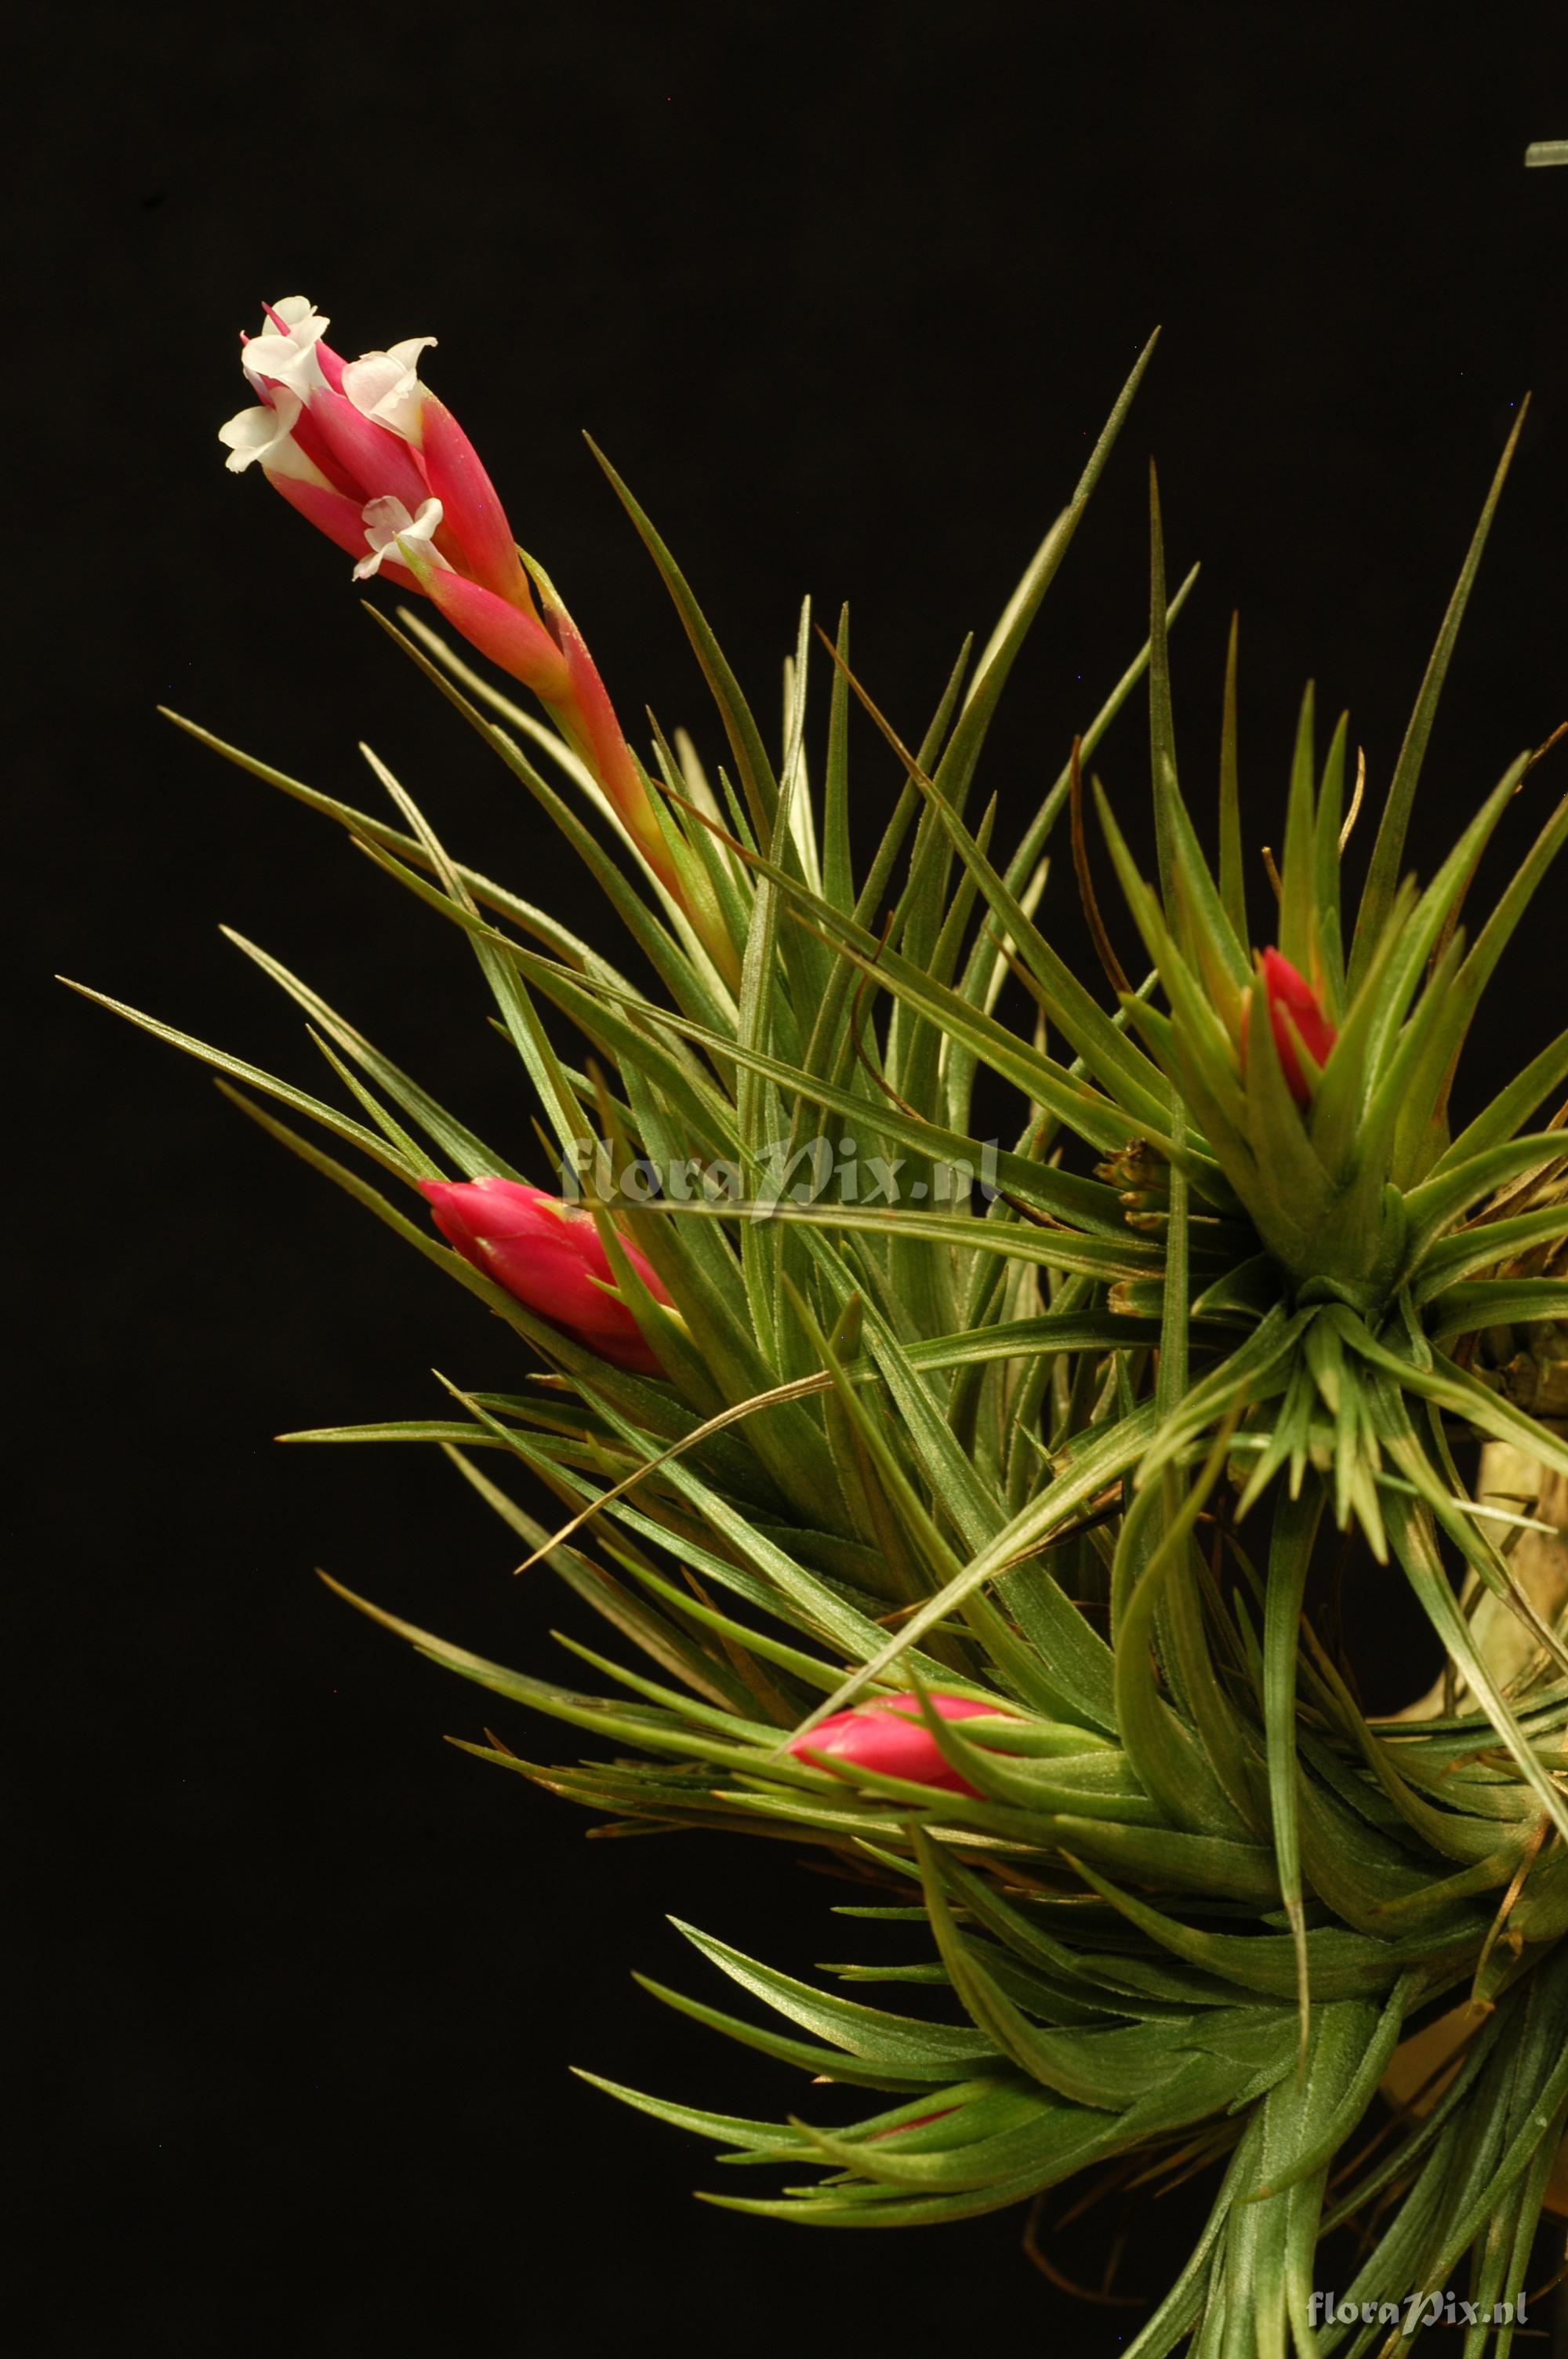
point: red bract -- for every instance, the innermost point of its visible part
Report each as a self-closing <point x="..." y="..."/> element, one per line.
<point x="888" y="1735"/>
<point x="1295" y="1013"/>
<point x="549" y="1256"/>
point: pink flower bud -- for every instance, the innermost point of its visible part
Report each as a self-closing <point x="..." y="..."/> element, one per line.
<point x="1295" y="1013"/>
<point x="549" y="1256"/>
<point x="890" y="1735"/>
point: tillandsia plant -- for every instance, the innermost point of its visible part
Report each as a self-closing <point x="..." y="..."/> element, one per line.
<point x="951" y="1504"/>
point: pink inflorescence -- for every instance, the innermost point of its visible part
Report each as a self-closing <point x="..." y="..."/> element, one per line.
<point x="1295" y="1017"/>
<point x="549" y="1255"/>
<point x="890" y="1735"/>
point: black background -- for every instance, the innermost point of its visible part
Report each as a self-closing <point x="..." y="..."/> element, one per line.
<point x="845" y="293"/>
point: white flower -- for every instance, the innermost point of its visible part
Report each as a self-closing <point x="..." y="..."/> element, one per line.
<point x="267" y="434"/>
<point x="284" y="352"/>
<point x="387" y="523"/>
<point x="385" y="385"/>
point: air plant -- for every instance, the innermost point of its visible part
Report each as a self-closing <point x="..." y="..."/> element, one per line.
<point x="963" y="1534"/>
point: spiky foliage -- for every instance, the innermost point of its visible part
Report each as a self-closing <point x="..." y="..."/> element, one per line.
<point x="1066" y="1450"/>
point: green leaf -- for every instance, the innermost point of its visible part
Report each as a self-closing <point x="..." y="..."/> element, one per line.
<point x="1495" y="1302"/>
<point x="455" y="1141"/>
<point x="726" y="2129"/>
<point x="1326" y="890"/>
<point x="687" y="970"/>
<point x="1503" y="1114"/>
<point x="1289" y="1559"/>
<point x="932" y="2051"/>
<point x="340" y="1125"/>
<point x="1494" y="1242"/>
<point x="745" y="739"/>
<point x="1232" y="860"/>
<point x="517" y="1011"/>
<point x="1298" y="874"/>
<point x="1109" y="2070"/>
<point x="1448" y="1195"/>
<point x="1101" y="1459"/>
<point x="1026" y="858"/>
<point x="1388" y="853"/>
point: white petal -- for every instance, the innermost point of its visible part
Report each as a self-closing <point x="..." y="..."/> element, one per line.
<point x="283" y="361"/>
<point x="385" y="385"/>
<point x="388" y="523"/>
<point x="368" y="379"/>
<point x="286" y="354"/>
<point x="267" y="435"/>
<point x="295" y="311"/>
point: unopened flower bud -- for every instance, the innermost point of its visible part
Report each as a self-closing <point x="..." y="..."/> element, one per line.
<point x="1295" y="1017"/>
<point x="549" y="1256"/>
<point x="888" y="1735"/>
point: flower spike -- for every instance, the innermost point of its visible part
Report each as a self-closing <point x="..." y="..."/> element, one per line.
<point x="367" y="453"/>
